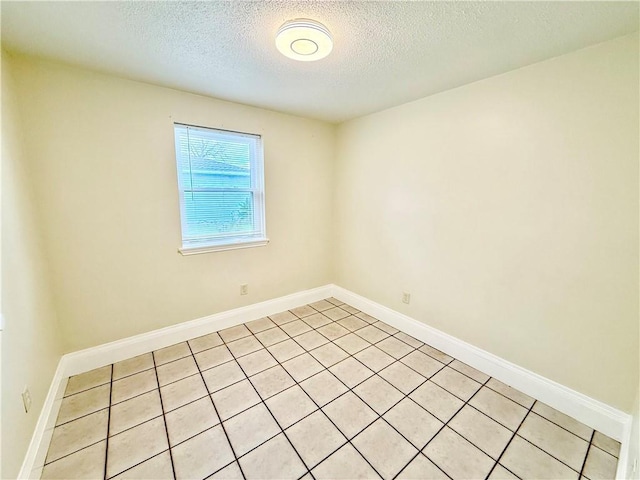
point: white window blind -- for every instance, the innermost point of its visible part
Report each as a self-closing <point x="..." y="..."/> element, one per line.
<point x="221" y="185"/>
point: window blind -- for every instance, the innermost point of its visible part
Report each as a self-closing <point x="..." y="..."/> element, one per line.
<point x="220" y="180"/>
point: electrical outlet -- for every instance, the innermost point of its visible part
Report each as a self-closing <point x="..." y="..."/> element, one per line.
<point x="635" y="465"/>
<point x="406" y="297"/>
<point x="244" y="289"/>
<point x="26" y="399"/>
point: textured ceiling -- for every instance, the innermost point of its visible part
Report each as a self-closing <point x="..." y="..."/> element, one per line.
<point x="385" y="53"/>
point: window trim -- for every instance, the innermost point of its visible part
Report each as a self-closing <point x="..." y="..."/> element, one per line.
<point x="226" y="246"/>
<point x="258" y="237"/>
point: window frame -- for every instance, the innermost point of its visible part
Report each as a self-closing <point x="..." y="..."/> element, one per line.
<point x="231" y="240"/>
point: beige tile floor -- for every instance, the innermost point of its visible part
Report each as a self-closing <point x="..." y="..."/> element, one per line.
<point x="321" y="391"/>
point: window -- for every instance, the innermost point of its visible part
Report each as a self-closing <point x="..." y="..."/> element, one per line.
<point x="221" y="184"/>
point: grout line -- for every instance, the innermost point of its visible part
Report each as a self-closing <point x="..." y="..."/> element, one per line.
<point x="106" y="447"/>
<point x="584" y="463"/>
<point x="349" y="389"/>
<point x="551" y="455"/>
<point x="151" y="390"/>
<point x="506" y="396"/>
<point x="563" y="428"/>
<point x="209" y="394"/>
<point x="136" y="373"/>
<point x="511" y="471"/>
<point x="222" y="468"/>
<point x="195" y="435"/>
<point x="86" y="389"/>
<point x="216" y="410"/>
<point x="491" y="418"/>
<point x="160" y="390"/>
<point x="289" y="337"/>
<point x="138" y="424"/>
<point x="164" y="419"/>
<point x="348" y="440"/>
<point x="515" y="432"/>
<point x="75" y="451"/>
<point x="545" y="451"/>
<point x="262" y="400"/>
<point x="528" y="409"/>
<point x="379" y="416"/>
<point x="275" y="325"/>
<point x="80" y="417"/>
<point x="297" y="384"/>
<point x="453" y="359"/>
<point x="444" y="425"/>
<point x="160" y="365"/>
<point x="604" y="451"/>
<point x="428" y="460"/>
<point x="302" y="418"/>
<point x="145" y="460"/>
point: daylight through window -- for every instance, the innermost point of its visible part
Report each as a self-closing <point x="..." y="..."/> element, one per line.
<point x="221" y="183"/>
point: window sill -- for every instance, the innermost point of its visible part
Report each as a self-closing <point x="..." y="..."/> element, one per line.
<point x="225" y="246"/>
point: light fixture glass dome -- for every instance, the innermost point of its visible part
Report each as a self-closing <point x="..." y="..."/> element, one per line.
<point x="303" y="39"/>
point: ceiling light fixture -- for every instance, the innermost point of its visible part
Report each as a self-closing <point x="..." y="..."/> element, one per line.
<point x="305" y="40"/>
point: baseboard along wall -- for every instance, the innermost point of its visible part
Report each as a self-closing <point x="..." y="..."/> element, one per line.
<point x="598" y="415"/>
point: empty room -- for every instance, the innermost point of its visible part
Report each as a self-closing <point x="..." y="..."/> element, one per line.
<point x="320" y="240"/>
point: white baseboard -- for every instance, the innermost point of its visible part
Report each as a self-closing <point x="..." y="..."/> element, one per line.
<point x="37" y="451"/>
<point x="596" y="414"/>
<point x="108" y="353"/>
<point x="608" y="420"/>
<point x="623" y="457"/>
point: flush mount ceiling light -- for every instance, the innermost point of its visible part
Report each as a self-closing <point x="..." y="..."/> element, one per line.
<point x="304" y="40"/>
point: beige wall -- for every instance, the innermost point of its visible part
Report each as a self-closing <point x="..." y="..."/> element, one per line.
<point x="103" y="161"/>
<point x="31" y="345"/>
<point x="509" y="209"/>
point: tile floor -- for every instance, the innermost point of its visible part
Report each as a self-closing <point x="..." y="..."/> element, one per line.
<point x="321" y="391"/>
